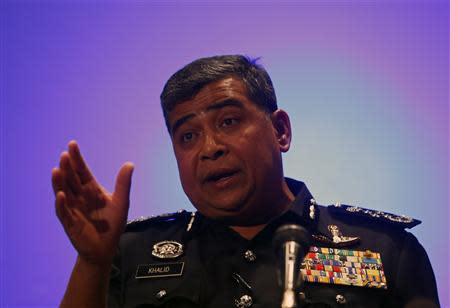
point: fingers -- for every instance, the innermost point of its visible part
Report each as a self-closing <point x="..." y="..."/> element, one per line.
<point x="71" y="219"/>
<point x="66" y="176"/>
<point x="72" y="173"/>
<point x="79" y="165"/>
<point x="71" y="178"/>
<point x="63" y="211"/>
<point x="59" y="183"/>
<point x="123" y="184"/>
<point x="57" y="180"/>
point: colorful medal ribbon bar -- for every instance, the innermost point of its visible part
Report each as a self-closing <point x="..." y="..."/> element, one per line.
<point x="345" y="267"/>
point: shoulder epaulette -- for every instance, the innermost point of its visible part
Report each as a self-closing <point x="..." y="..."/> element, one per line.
<point x="144" y="221"/>
<point x="399" y="220"/>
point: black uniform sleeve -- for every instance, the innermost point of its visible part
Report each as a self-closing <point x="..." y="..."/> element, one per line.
<point x="115" y="289"/>
<point x="415" y="281"/>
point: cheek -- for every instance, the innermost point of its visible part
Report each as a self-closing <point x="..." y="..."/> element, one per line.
<point x="259" y="145"/>
<point x="186" y="170"/>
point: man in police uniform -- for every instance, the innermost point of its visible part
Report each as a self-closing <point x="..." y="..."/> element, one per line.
<point x="228" y="136"/>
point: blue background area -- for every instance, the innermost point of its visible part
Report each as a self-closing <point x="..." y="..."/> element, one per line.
<point x="365" y="83"/>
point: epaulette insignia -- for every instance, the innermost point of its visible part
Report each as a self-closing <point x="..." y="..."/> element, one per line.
<point x="400" y="220"/>
<point x="144" y="220"/>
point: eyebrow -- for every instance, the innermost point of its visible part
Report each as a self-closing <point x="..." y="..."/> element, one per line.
<point x="216" y="106"/>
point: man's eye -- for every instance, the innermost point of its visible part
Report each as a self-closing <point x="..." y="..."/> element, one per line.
<point x="229" y="121"/>
<point x="187" y="137"/>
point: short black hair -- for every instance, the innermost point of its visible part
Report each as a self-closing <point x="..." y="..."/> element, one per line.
<point x="188" y="81"/>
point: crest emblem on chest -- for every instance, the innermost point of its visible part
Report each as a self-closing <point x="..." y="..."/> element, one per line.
<point x="167" y="250"/>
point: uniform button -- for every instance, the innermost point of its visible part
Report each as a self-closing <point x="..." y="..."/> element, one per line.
<point x="249" y="256"/>
<point x="244" y="302"/>
<point x="340" y="299"/>
<point x="161" y="294"/>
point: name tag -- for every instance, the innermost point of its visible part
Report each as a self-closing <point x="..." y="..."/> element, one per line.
<point x="159" y="270"/>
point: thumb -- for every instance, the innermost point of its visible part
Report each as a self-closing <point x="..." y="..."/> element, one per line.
<point x="123" y="184"/>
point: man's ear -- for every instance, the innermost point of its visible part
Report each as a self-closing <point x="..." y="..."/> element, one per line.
<point x="282" y="125"/>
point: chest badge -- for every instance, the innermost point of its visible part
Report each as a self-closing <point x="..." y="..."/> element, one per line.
<point x="344" y="267"/>
<point x="337" y="239"/>
<point x="167" y="250"/>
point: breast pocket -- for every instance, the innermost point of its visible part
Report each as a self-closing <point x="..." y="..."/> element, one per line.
<point x="182" y="291"/>
<point x="345" y="296"/>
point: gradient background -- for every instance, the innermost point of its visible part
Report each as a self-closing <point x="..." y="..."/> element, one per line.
<point x="366" y="85"/>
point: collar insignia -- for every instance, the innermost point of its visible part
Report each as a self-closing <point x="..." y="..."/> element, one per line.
<point x="312" y="209"/>
<point x="167" y="250"/>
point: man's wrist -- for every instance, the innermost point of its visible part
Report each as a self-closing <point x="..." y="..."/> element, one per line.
<point x="97" y="267"/>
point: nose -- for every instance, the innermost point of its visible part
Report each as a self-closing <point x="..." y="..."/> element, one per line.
<point x="212" y="148"/>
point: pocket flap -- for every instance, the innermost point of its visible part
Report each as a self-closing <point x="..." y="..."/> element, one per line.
<point x="165" y="284"/>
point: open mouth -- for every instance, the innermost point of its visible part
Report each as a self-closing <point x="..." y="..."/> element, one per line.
<point x="219" y="176"/>
<point x="222" y="178"/>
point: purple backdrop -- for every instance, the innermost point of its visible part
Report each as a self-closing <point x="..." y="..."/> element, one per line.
<point x="366" y="84"/>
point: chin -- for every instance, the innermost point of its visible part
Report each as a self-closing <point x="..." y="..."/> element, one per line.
<point x="233" y="215"/>
<point x="226" y="206"/>
<point x="220" y="210"/>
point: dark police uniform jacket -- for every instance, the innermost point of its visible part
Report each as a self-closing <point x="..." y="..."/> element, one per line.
<point x="219" y="268"/>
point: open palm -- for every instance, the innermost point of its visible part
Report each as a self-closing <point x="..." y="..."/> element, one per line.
<point x="92" y="217"/>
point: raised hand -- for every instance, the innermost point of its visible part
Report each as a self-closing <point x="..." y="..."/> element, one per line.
<point x="93" y="218"/>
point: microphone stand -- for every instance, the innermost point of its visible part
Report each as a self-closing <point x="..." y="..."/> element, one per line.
<point x="291" y="285"/>
<point x="291" y="243"/>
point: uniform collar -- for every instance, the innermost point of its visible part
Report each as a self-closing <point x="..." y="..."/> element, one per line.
<point x="302" y="195"/>
<point x="304" y="206"/>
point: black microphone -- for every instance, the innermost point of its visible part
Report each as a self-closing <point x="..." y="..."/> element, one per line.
<point x="291" y="243"/>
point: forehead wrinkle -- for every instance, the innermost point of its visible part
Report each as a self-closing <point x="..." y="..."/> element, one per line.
<point x="225" y="103"/>
<point x="215" y="106"/>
